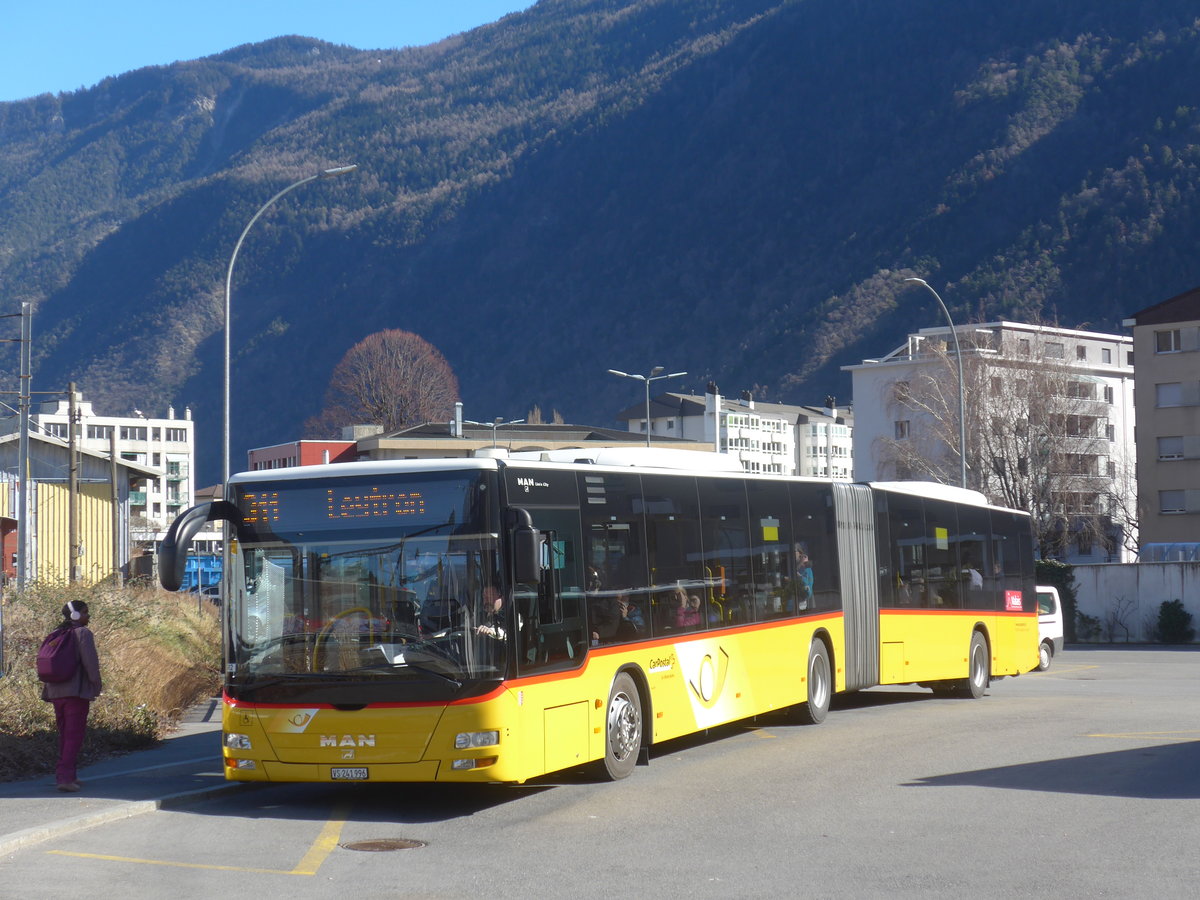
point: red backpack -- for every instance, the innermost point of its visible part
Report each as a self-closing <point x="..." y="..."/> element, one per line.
<point x="58" y="657"/>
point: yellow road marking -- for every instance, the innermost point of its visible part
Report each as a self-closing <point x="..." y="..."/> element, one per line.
<point x="1145" y="734"/>
<point x="324" y="844"/>
<point x="163" y="862"/>
<point x="308" y="865"/>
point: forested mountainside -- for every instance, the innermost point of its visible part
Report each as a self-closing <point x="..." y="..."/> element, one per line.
<point x="731" y="187"/>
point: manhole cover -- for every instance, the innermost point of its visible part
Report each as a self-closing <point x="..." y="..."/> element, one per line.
<point x="381" y="844"/>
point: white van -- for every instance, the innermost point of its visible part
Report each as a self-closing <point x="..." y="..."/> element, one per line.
<point x="1050" y="625"/>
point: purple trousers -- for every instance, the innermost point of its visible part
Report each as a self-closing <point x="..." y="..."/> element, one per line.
<point x="70" y="715"/>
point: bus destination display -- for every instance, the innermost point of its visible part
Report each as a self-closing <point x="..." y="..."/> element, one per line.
<point x="264" y="509"/>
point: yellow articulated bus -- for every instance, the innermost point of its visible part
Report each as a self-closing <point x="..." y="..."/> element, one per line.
<point x="497" y="619"/>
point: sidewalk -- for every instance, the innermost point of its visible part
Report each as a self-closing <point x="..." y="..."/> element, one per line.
<point x="184" y="768"/>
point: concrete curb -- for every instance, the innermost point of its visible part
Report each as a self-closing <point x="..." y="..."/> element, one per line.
<point x="126" y="810"/>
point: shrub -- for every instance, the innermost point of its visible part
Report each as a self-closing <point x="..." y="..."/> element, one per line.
<point x="1087" y="628"/>
<point x="1174" y="624"/>
<point x="159" y="653"/>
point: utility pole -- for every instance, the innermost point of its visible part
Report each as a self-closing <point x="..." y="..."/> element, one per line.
<point x="72" y="485"/>
<point x="23" y="448"/>
<point x="118" y="580"/>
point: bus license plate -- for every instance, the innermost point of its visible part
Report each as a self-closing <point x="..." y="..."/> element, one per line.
<point x="344" y="773"/>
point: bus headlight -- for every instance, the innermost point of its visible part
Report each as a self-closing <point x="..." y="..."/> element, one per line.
<point x="481" y="763"/>
<point x="467" y="739"/>
<point x="237" y="741"/>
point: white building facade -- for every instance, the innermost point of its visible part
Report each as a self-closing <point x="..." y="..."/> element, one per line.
<point x="765" y="438"/>
<point x="1096" y="369"/>
<point x="166" y="445"/>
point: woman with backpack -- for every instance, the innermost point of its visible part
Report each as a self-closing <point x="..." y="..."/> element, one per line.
<point x="73" y="697"/>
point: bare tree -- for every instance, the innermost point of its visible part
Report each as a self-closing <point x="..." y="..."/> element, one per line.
<point x="1037" y="437"/>
<point x="391" y="378"/>
<point x="536" y="417"/>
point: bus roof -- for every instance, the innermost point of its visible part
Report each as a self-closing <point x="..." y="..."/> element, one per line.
<point x="683" y="461"/>
<point x="365" y="467"/>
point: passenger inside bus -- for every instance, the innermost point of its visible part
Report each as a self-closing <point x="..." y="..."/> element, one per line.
<point x="687" y="612"/>
<point x="631" y="623"/>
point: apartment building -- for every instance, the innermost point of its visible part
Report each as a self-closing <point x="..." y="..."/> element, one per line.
<point x="1037" y="399"/>
<point x="165" y="445"/>
<point x="1166" y="342"/>
<point x="765" y="438"/>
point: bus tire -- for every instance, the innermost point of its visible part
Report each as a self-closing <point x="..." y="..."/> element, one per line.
<point x="978" y="670"/>
<point x="1045" y="654"/>
<point x="622" y="728"/>
<point x="820" y="686"/>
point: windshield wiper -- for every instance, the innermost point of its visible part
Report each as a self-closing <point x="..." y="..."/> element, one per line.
<point x="405" y="664"/>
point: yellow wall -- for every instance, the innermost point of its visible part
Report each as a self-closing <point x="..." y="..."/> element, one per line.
<point x="51" y="553"/>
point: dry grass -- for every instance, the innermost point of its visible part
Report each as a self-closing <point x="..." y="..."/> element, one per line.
<point x="158" y="652"/>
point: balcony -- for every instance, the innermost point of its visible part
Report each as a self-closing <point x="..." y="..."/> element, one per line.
<point x="137" y="498"/>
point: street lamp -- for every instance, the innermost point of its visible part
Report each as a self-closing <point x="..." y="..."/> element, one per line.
<point x="325" y="173"/>
<point x="962" y="416"/>
<point x="498" y="422"/>
<point x="653" y="376"/>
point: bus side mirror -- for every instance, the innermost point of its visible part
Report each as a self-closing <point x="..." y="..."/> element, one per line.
<point x="527" y="553"/>
<point x="172" y="555"/>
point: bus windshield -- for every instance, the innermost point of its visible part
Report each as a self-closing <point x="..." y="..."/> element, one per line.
<point x="353" y="580"/>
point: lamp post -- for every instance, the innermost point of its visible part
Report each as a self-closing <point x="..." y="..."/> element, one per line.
<point x="962" y="413"/>
<point x="653" y="376"/>
<point x="498" y="422"/>
<point x="325" y="173"/>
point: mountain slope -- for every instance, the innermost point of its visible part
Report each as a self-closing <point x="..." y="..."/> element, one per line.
<point x="731" y="187"/>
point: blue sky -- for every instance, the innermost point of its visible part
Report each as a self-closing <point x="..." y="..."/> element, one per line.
<point x="48" y="46"/>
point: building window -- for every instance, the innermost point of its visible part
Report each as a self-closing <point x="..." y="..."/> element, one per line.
<point x="56" y="429"/>
<point x="1023" y="347"/>
<point x="1106" y="356"/>
<point x="1170" y="502"/>
<point x="1169" y="394"/>
<point x="1109" y="394"/>
<point x="1167" y="341"/>
<point x="902" y="430"/>
<point x="99" y="432"/>
<point x="178" y="435"/>
<point x="1081" y="352"/>
<point x="133" y="432"/>
<point x="1170" y="447"/>
<point x="1080" y="390"/>
<point x="1110" y="432"/>
<point x="1056" y="350"/>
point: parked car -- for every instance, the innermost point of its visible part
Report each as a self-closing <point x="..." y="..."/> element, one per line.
<point x="1050" y="625"/>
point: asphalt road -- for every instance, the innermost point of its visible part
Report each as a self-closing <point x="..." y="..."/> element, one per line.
<point x="1083" y="781"/>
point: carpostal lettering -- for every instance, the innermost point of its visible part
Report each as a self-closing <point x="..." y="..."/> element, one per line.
<point x="663" y="664"/>
<point x="347" y="740"/>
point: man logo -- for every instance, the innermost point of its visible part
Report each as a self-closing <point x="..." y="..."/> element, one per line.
<point x="347" y="740"/>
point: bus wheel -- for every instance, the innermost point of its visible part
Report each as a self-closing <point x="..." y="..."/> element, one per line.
<point x="1045" y="654"/>
<point x="977" y="667"/>
<point x="820" y="686"/>
<point x="623" y="728"/>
